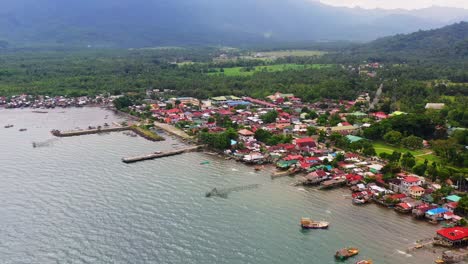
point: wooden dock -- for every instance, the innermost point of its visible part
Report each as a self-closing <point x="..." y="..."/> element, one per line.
<point x="74" y="133"/>
<point x="157" y="155"/>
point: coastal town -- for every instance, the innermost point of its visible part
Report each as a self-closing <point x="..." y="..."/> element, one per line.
<point x="320" y="144"/>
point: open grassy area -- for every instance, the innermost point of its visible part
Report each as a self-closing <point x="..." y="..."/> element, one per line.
<point x="243" y="71"/>
<point x="420" y="155"/>
<point x="147" y="133"/>
<point x="295" y="53"/>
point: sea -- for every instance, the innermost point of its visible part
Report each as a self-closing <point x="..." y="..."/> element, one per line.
<point x="73" y="200"/>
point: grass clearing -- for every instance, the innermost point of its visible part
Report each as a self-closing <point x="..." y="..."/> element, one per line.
<point x="420" y="155"/>
<point x="244" y="71"/>
<point x="292" y="53"/>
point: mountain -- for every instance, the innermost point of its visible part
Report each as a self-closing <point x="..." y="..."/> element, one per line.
<point x="140" y="23"/>
<point x="446" y="43"/>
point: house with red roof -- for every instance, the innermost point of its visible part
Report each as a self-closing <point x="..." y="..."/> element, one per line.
<point x="416" y="191"/>
<point x="380" y="115"/>
<point x="410" y="181"/>
<point x="246" y="135"/>
<point x="454" y="236"/>
<point x="305" y="142"/>
<point x="451" y="206"/>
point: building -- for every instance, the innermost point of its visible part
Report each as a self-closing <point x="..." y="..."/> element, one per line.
<point x="416" y="192"/>
<point x="410" y="181"/>
<point x="435" y="106"/>
<point x="305" y="142"/>
<point x="454" y="236"/>
<point x="187" y="101"/>
<point x="246" y="135"/>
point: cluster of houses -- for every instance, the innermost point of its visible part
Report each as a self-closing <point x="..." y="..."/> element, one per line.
<point x="318" y="164"/>
<point x="30" y="101"/>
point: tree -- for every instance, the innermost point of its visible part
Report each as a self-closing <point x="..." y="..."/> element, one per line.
<point x="369" y="151"/>
<point x="412" y="142"/>
<point x="262" y="135"/>
<point x="408" y="161"/>
<point x="311" y="131"/>
<point x="395" y="156"/>
<point x="392" y="137"/>
<point x="122" y="102"/>
<point x="270" y="117"/>
<point x="420" y="169"/>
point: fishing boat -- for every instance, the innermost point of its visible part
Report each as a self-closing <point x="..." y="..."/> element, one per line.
<point x="23" y="129"/>
<point x="8" y="126"/>
<point x="364" y="261"/>
<point x="259" y="168"/>
<point x="307" y="223"/>
<point x="346" y="253"/>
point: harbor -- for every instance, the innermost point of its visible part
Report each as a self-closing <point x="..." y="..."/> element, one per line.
<point x="166" y="192"/>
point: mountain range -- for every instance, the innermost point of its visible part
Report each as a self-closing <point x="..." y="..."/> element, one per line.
<point x="146" y="23"/>
<point x="446" y="43"/>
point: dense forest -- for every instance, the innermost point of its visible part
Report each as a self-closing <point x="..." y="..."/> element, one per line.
<point x="115" y="72"/>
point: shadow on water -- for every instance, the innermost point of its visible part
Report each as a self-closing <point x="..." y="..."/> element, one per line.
<point x="223" y="193"/>
<point x="46" y="143"/>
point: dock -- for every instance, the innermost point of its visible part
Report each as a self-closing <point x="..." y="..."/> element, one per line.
<point x="157" y="155"/>
<point x="74" y="133"/>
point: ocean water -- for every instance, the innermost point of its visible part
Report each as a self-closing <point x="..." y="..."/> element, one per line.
<point x="72" y="200"/>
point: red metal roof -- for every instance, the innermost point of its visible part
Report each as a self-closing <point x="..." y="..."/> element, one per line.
<point x="304" y="140"/>
<point x="454" y="233"/>
<point x="411" y="179"/>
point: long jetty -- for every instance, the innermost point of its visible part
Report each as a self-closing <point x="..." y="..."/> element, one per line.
<point x="157" y="155"/>
<point x="59" y="133"/>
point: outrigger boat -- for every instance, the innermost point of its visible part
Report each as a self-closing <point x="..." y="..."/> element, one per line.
<point x="346" y="253"/>
<point x="364" y="262"/>
<point x="307" y="223"/>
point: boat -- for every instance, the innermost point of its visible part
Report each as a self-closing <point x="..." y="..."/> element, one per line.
<point x="23" y="129"/>
<point x="8" y="126"/>
<point x="259" y="168"/>
<point x="307" y="223"/>
<point x="364" y="262"/>
<point x="439" y="261"/>
<point x="346" y="253"/>
<point x="204" y="162"/>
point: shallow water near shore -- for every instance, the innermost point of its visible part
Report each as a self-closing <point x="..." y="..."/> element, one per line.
<point x="74" y="201"/>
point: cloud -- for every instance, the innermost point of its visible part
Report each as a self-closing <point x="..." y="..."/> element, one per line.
<point x="393" y="4"/>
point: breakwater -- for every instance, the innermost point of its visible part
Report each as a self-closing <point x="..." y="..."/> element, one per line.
<point x="158" y="154"/>
<point x="74" y="133"/>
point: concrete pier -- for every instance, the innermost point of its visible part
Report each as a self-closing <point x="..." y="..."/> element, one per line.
<point x="59" y="133"/>
<point x="157" y="155"/>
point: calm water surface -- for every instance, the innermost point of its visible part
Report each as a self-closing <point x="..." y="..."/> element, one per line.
<point x="74" y="201"/>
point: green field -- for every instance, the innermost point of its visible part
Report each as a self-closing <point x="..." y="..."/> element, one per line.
<point x="242" y="71"/>
<point x="420" y="155"/>
<point x="294" y="53"/>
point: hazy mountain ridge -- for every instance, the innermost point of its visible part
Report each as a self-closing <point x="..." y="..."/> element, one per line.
<point x="449" y="42"/>
<point x="138" y="23"/>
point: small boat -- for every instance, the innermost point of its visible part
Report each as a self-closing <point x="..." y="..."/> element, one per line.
<point x="259" y="168"/>
<point x="8" y="126"/>
<point x="307" y="223"/>
<point x="23" y="129"/>
<point x="439" y="261"/>
<point x="346" y="253"/>
<point x="204" y="162"/>
<point x="364" y="261"/>
<point x="157" y="152"/>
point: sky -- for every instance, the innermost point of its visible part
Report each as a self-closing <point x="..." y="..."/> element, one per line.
<point x="393" y="4"/>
